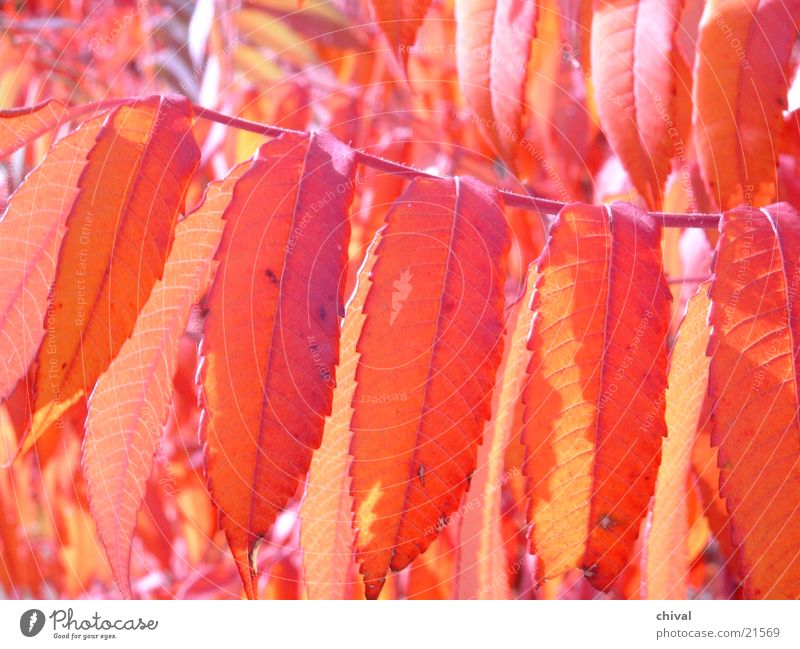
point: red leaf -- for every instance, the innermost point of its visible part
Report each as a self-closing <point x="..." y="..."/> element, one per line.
<point x="271" y="339"/>
<point x="430" y="348"/>
<point x="399" y="20"/>
<point x="753" y="382"/>
<point x="492" y="50"/>
<point x="634" y="75"/>
<point x="119" y="233"/>
<point x="594" y="399"/>
<point x="740" y="92"/>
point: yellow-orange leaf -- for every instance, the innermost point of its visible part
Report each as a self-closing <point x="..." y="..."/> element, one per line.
<point x="119" y="233"/>
<point x="130" y="403"/>
<point x="740" y="92"/>
<point x="594" y="397"/>
<point x="666" y="562"/>
<point x="430" y="348"/>
<point x="482" y="572"/>
<point x="707" y="482"/>
<point x="271" y="340"/>
<point x="753" y="382"/>
<point x="326" y="534"/>
<point x="31" y="231"/>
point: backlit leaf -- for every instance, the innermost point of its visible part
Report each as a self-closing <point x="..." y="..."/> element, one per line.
<point x="594" y="397"/>
<point x="492" y="50"/>
<point x="31" y="231"/>
<point x="666" y="560"/>
<point x="740" y="93"/>
<point x="399" y="20"/>
<point x="119" y="233"/>
<point x="753" y="382"/>
<point x="130" y="403"/>
<point x="430" y="348"/>
<point x="271" y="340"/>
<point x="634" y="75"/>
<point x="326" y="533"/>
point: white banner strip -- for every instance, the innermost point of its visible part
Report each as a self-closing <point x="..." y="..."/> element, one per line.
<point x="400" y="625"/>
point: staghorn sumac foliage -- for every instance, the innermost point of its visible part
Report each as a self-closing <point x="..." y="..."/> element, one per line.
<point x="377" y="300"/>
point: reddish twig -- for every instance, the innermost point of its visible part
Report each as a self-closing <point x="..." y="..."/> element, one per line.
<point x="543" y="206"/>
<point x="688" y="280"/>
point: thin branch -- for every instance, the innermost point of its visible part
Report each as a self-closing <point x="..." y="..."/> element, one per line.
<point x="689" y="279"/>
<point x="543" y="206"/>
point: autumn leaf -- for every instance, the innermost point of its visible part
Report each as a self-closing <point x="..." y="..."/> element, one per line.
<point x="753" y="384"/>
<point x="271" y="340"/>
<point x="481" y="553"/>
<point x="399" y="20"/>
<point x="19" y="126"/>
<point x="740" y="92"/>
<point x="666" y="559"/>
<point x="172" y="275"/>
<point x="594" y="395"/>
<point x="326" y="534"/>
<point x="707" y="481"/>
<point x="119" y="232"/>
<point x="31" y="231"/>
<point x="425" y="377"/>
<point x="635" y="78"/>
<point x="492" y="50"/>
<point x="130" y="403"/>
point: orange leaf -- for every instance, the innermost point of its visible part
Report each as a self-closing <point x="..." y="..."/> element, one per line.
<point x="430" y="348"/>
<point x="634" y="75"/>
<point x="19" y="126"/>
<point x="271" y="339"/>
<point x="704" y="461"/>
<point x="666" y="560"/>
<point x="130" y="403"/>
<point x="17" y="562"/>
<point x="753" y="382"/>
<point x="399" y="20"/>
<point x="326" y="534"/>
<point x="740" y="92"/>
<point x="432" y="575"/>
<point x="492" y="50"/>
<point x="30" y="236"/>
<point x="594" y="400"/>
<point x="119" y="233"/>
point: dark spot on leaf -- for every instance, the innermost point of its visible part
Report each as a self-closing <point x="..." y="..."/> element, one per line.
<point x="271" y="276"/>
